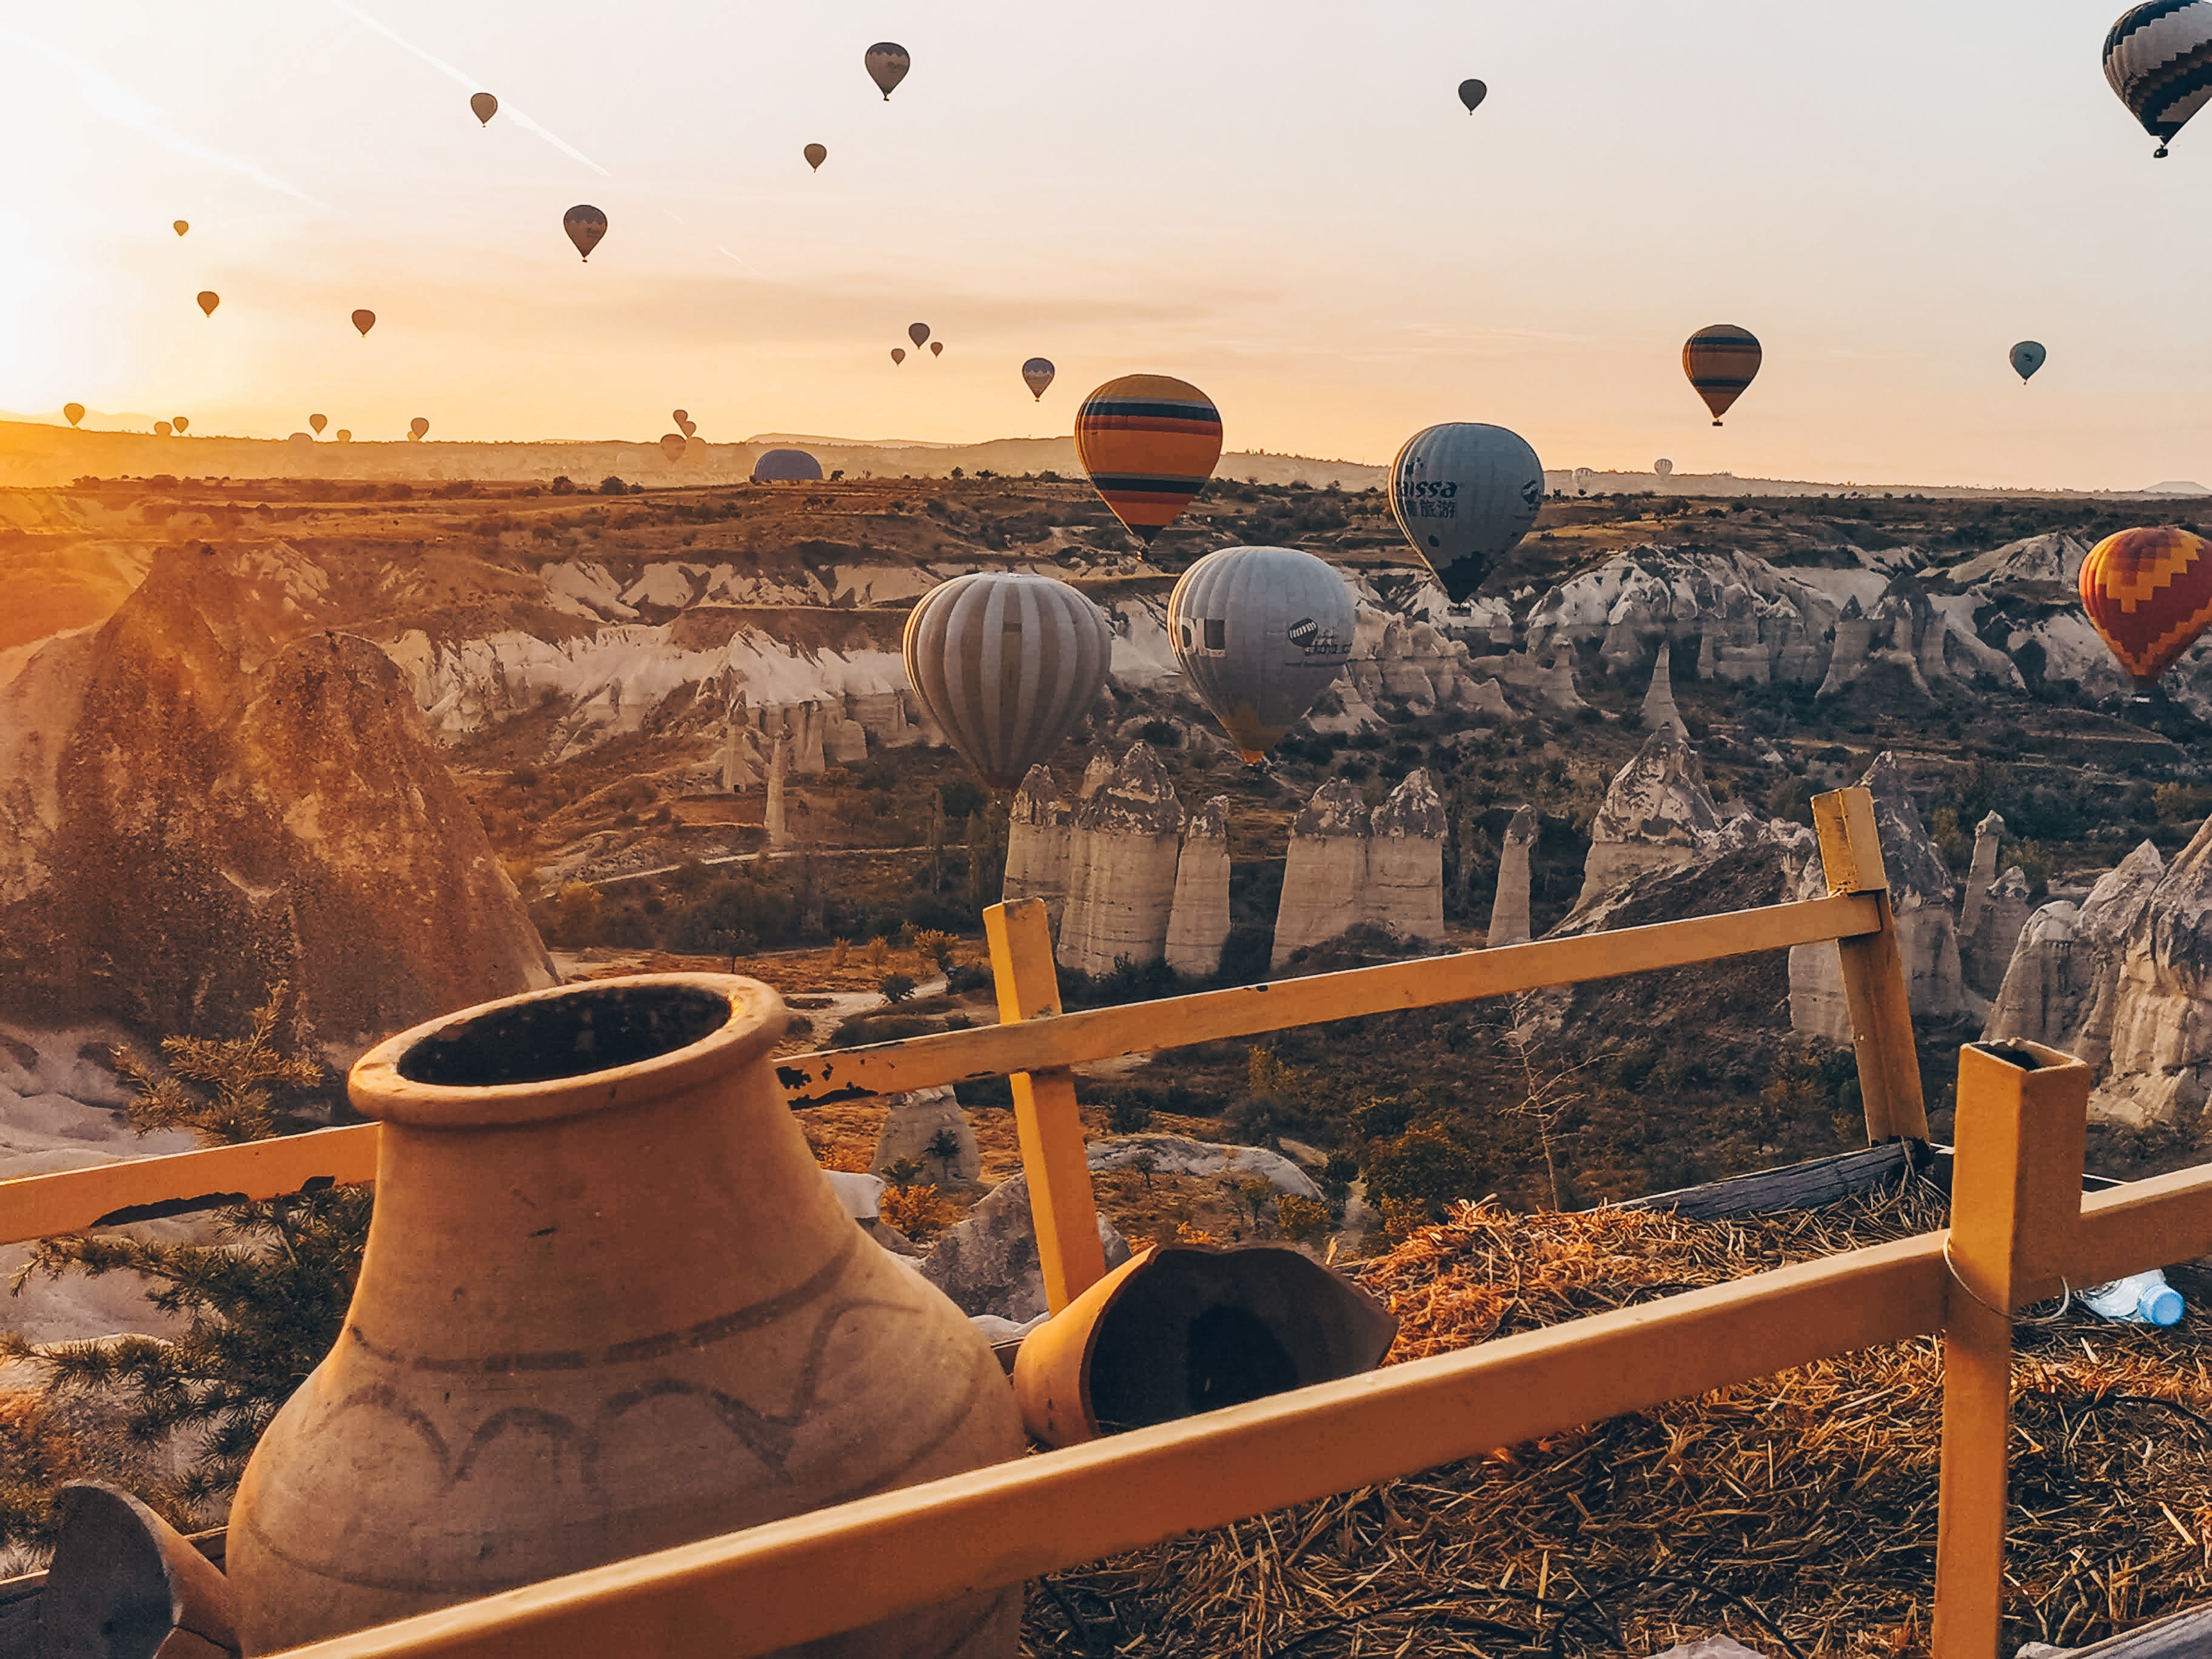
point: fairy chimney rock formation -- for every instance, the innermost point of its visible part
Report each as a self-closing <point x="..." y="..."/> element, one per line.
<point x="778" y="765"/>
<point x="2064" y="983"/>
<point x="1404" y="891"/>
<point x="1094" y="777"/>
<point x="1198" y="923"/>
<point x="1989" y="842"/>
<point x="1037" y="832"/>
<point x="1659" y="708"/>
<point x="844" y="740"/>
<point x="2158" y="1065"/>
<point x="1324" y="872"/>
<point x="1509" y="911"/>
<point x="1126" y="838"/>
<point x="2005" y="914"/>
<point x="1657" y="815"/>
<point x="740" y="761"/>
<point x="928" y="1126"/>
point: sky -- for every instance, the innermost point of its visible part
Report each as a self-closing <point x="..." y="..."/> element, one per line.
<point x="1281" y="201"/>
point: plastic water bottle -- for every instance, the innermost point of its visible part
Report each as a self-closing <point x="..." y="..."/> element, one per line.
<point x="2139" y="1300"/>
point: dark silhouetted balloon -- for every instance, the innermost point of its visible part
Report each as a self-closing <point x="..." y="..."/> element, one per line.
<point x="209" y="301"/>
<point x="585" y="224"/>
<point x="417" y="427"/>
<point x="937" y="348"/>
<point x="318" y="421"/>
<point x="1665" y="468"/>
<point x="1008" y="663"/>
<point x="162" y="428"/>
<point x="1036" y="374"/>
<point x="816" y="155"/>
<point x="73" y="413"/>
<point x="672" y="445"/>
<point x="179" y="421"/>
<point x="484" y="105"/>
<point x="364" y="320"/>
<point x="1148" y="443"/>
<point x="1472" y="93"/>
<point x="2026" y="357"/>
<point x="180" y="226"/>
<point x="787" y="466"/>
<point x="917" y="332"/>
<point x="2148" y="593"/>
<point x="688" y="427"/>
<point x="679" y="415"/>
<point x="1720" y="362"/>
<point x="343" y="435"/>
<point x="1259" y="633"/>
<point x="2156" y="59"/>
<point x="1464" y="494"/>
<point x="898" y="354"/>
<point x="887" y="64"/>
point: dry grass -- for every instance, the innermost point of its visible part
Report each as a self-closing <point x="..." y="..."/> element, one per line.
<point x="1798" y="1513"/>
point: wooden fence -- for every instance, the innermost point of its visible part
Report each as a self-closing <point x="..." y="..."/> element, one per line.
<point x="2021" y="1227"/>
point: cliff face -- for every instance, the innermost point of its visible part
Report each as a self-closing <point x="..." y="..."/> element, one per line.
<point x="191" y="809"/>
<point x="2159" y="1069"/>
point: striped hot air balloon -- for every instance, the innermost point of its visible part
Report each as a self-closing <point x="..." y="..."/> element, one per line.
<point x="1149" y="443"/>
<point x="1259" y="633"/>
<point x="1008" y="663"/>
<point x="1720" y="362"/>
<point x="2158" y="60"/>
<point x="2148" y="593"/>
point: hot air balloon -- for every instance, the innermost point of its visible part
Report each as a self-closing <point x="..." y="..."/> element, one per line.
<point x="2156" y="58"/>
<point x="209" y="301"/>
<point x="1008" y="663"/>
<point x="1472" y="93"/>
<point x="1720" y="362"/>
<point x="937" y="348"/>
<point x="73" y="413"/>
<point x="679" y="415"/>
<point x="318" y="422"/>
<point x="687" y="428"/>
<point x="816" y="155"/>
<point x="787" y="466"/>
<point x="898" y="354"/>
<point x="343" y="435"/>
<point x="2026" y="357"/>
<point x="585" y="224"/>
<point x="162" y="428"/>
<point x="1664" y="468"/>
<point x="887" y="64"/>
<point x="2148" y="593"/>
<point x="1149" y="443"/>
<point x="672" y="445"/>
<point x="180" y="226"/>
<point x="364" y="320"/>
<point x="179" y="422"/>
<point x="1261" y="632"/>
<point x="917" y="332"/>
<point x="417" y="427"/>
<point x="484" y="105"/>
<point x="1583" y="477"/>
<point x="1464" y="494"/>
<point x="1036" y="374"/>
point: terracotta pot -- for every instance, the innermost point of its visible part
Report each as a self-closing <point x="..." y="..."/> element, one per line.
<point x="609" y="1304"/>
<point x="1183" y="1328"/>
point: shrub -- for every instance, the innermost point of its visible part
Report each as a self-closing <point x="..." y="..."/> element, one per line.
<point x="562" y="486"/>
<point x="1301" y="1220"/>
<point x="1423" y="1170"/>
<point x="577" y="914"/>
<point x="610" y="485"/>
<point x="935" y="945"/>
<point x="1127" y="1115"/>
<point x="896" y="987"/>
<point x="917" y="1212"/>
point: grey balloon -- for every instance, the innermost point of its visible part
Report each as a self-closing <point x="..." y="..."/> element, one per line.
<point x="2026" y="357"/>
<point x="1465" y="494"/>
<point x="1261" y="632"/>
<point x="1664" y="468"/>
<point x="1008" y="663"/>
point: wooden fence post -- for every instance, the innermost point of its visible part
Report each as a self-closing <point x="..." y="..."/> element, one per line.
<point x="1053" y="1154"/>
<point x="1874" y="971"/>
<point x="2015" y="1211"/>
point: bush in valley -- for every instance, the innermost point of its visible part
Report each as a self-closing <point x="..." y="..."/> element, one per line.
<point x="736" y="915"/>
<point x="896" y="987"/>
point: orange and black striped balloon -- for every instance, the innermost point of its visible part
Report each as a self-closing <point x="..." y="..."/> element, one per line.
<point x="2148" y="593"/>
<point x="1149" y="443"/>
<point x="1720" y="362"/>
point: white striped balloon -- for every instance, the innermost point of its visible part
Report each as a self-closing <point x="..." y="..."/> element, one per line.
<point x="1465" y="494"/>
<point x="1008" y="663"/>
<point x="1259" y="633"/>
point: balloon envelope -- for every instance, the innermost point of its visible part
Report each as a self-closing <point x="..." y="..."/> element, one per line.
<point x="687" y="428"/>
<point x="2148" y="593"/>
<point x="343" y="435"/>
<point x="1036" y="374"/>
<point x="162" y="428"/>
<point x="180" y="226"/>
<point x="1720" y="362"/>
<point x="679" y="415"/>
<point x="210" y="299"/>
<point x="816" y="155"/>
<point x="1465" y="494"/>
<point x="1008" y="663"/>
<point x="937" y="348"/>
<point x="417" y="427"/>
<point x="672" y="445"/>
<point x="2155" y="58"/>
<point x="585" y="224"/>
<point x="318" y="421"/>
<point x="179" y="421"/>
<point x="1148" y="443"/>
<point x="484" y="105"/>
<point x="887" y="62"/>
<point x="917" y="332"/>
<point x="898" y="354"/>
<point x="364" y="320"/>
<point x="1665" y="468"/>
<point x="73" y="413"/>
<point x="2026" y="357"/>
<point x="1472" y="93"/>
<point x="1261" y="632"/>
<point x="787" y="466"/>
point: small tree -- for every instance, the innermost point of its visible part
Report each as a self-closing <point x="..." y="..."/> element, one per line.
<point x="943" y="1146"/>
<point x="896" y="987"/>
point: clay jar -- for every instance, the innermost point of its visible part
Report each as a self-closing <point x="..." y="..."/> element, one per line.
<point x="609" y="1304"/>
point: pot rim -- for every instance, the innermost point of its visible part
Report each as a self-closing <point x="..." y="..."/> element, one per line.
<point x="378" y="1090"/>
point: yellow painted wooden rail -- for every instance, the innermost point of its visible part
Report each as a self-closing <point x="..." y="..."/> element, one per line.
<point x="2021" y="1226"/>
